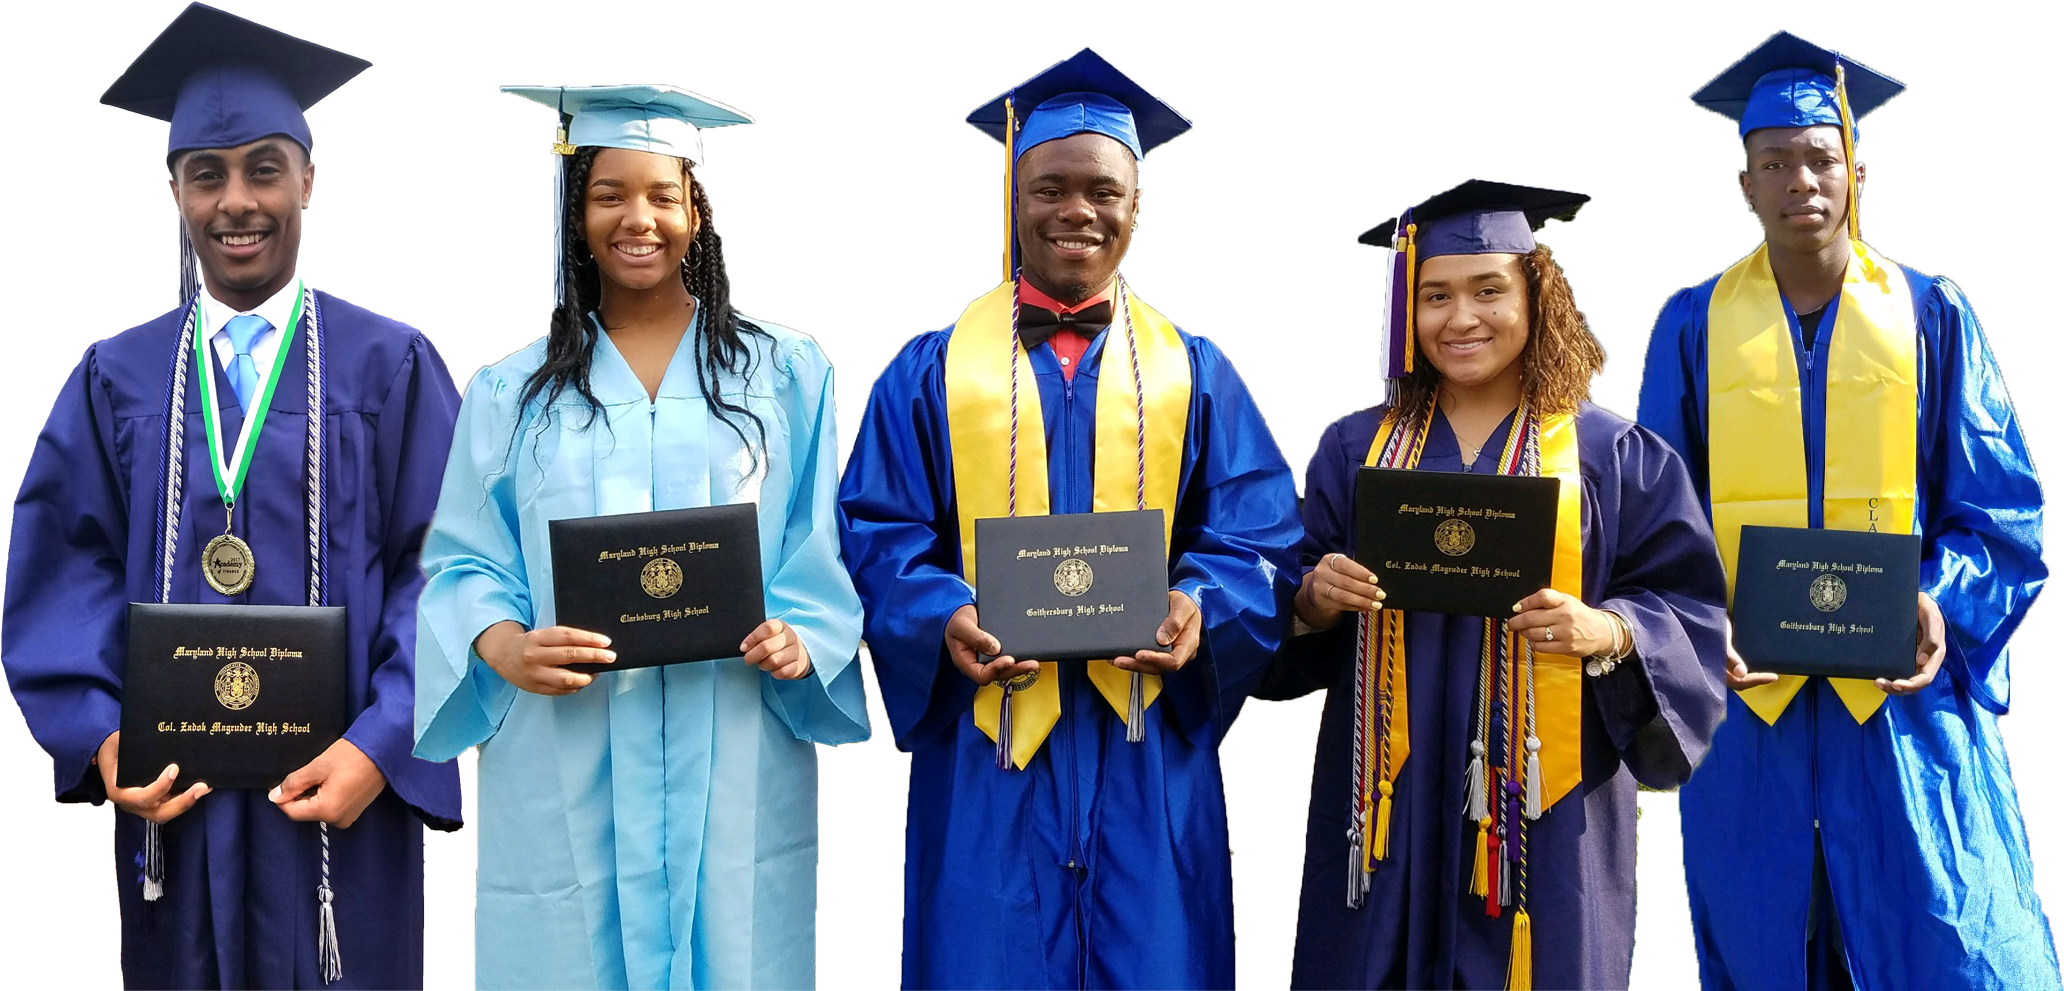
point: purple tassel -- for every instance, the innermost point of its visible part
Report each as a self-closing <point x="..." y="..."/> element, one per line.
<point x="1512" y="816"/>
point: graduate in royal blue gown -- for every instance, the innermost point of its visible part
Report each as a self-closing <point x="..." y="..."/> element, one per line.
<point x="1488" y="834"/>
<point x="1843" y="832"/>
<point x="1084" y="845"/>
<point x="237" y="897"/>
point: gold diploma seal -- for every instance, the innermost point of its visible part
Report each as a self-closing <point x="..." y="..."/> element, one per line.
<point x="1073" y="577"/>
<point x="228" y="564"/>
<point x="661" y="577"/>
<point x="1454" y="537"/>
<point x="1827" y="593"/>
<point x="236" y="685"/>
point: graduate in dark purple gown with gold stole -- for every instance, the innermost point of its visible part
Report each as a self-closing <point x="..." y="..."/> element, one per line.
<point x="244" y="881"/>
<point x="1473" y="799"/>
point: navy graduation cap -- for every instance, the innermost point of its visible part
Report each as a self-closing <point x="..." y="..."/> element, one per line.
<point x="1478" y="217"/>
<point x="223" y="81"/>
<point x="1788" y="81"/>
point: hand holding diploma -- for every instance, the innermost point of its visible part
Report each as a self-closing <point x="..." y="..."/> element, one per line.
<point x="1337" y="586"/>
<point x="153" y="801"/>
<point x="1179" y="633"/>
<point x="775" y="648"/>
<point x="333" y="788"/>
<point x="967" y="642"/>
<point x="535" y="660"/>
<point x="1931" y="643"/>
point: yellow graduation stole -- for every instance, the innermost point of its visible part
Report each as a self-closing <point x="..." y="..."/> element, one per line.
<point x="999" y="465"/>
<point x="1757" y="460"/>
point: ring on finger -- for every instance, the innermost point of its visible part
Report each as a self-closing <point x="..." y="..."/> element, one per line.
<point x="1547" y="633"/>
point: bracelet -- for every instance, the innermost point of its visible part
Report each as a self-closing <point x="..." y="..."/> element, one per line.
<point x="1622" y="645"/>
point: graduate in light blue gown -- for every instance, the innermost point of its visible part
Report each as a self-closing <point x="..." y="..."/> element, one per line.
<point x="652" y="827"/>
<point x="1855" y="835"/>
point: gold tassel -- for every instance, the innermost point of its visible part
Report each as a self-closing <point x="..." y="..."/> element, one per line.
<point x="1519" y="975"/>
<point x="1848" y="150"/>
<point x="1411" y="288"/>
<point x="1381" y="842"/>
<point x="1480" y="876"/>
<point x="1010" y="188"/>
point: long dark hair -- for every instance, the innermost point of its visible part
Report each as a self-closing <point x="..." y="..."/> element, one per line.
<point x="1560" y="357"/>
<point x="570" y="347"/>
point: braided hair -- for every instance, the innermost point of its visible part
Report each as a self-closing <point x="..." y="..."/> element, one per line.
<point x="570" y="345"/>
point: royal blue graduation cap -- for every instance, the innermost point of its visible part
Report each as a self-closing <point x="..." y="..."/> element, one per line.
<point x="649" y="117"/>
<point x="223" y="81"/>
<point x="1082" y="94"/>
<point x="1788" y="81"/>
<point x="1478" y="217"/>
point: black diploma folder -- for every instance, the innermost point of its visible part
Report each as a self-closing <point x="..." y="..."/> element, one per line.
<point x="1071" y="587"/>
<point x="237" y="696"/>
<point x="665" y="587"/>
<point x="1455" y="542"/>
<point x="1840" y="603"/>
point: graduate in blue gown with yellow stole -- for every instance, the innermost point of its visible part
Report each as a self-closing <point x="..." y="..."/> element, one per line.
<point x="116" y="508"/>
<point x="1844" y="833"/>
<point x="652" y="827"/>
<point x="1068" y="830"/>
<point x="1476" y="778"/>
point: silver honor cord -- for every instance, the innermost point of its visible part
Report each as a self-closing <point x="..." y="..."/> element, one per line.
<point x="330" y="959"/>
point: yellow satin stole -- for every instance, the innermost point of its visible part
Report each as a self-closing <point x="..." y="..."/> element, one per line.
<point x="1757" y="459"/>
<point x="979" y="355"/>
<point x="1558" y="678"/>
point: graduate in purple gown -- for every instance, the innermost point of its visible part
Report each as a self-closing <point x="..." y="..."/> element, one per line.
<point x="1084" y="845"/>
<point x="1473" y="799"/>
<point x="234" y="888"/>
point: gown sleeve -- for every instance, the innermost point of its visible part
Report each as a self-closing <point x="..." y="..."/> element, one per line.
<point x="901" y="542"/>
<point x="1672" y="402"/>
<point x="1982" y="539"/>
<point x="810" y="589"/>
<point x="1311" y="663"/>
<point x="61" y="637"/>
<point x="1233" y="549"/>
<point x="473" y="576"/>
<point x="1660" y="709"/>
<point x="410" y="445"/>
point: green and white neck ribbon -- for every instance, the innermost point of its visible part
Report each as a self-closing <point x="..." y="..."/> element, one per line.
<point x="230" y="470"/>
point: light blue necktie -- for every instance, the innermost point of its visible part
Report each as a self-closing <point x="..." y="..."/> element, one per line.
<point x="244" y="332"/>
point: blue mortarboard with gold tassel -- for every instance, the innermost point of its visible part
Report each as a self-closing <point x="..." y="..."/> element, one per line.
<point x="1478" y="217"/>
<point x="1082" y="94"/>
<point x="1788" y="81"/>
<point x="648" y="117"/>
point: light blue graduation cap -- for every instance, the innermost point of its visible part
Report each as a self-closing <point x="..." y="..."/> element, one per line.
<point x="1082" y="94"/>
<point x="1478" y="217"/>
<point x="222" y="81"/>
<point x="1788" y="81"/>
<point x="656" y="118"/>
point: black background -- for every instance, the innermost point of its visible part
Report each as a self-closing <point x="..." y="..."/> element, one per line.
<point x="863" y="213"/>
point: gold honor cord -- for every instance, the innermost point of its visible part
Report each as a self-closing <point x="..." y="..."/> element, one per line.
<point x="1869" y="479"/>
<point x="227" y="562"/>
<point x="996" y="439"/>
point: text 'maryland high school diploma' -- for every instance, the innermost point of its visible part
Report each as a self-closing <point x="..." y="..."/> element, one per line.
<point x="1072" y="586"/>
<point x="666" y="587"/>
<point x="237" y="696"/>
<point x="1839" y="603"/>
<point x="1455" y="542"/>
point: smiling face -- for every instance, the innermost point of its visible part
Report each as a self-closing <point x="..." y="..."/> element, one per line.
<point x="1797" y="181"/>
<point x="242" y="208"/>
<point x="1472" y="318"/>
<point x="639" y="221"/>
<point x="1076" y="200"/>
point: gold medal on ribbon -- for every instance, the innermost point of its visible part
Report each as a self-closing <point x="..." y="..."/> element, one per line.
<point x="228" y="565"/>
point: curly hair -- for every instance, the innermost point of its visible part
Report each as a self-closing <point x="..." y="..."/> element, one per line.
<point x="570" y="345"/>
<point x="1557" y="364"/>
